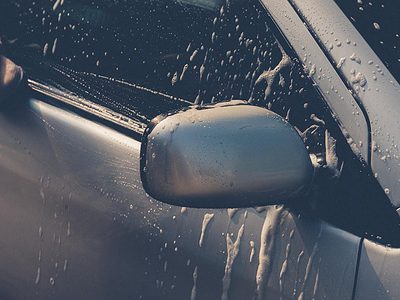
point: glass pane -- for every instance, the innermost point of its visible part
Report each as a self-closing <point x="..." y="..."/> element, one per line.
<point x="379" y="23"/>
<point x="194" y="50"/>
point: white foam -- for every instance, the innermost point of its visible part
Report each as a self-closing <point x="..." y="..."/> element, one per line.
<point x="206" y="220"/>
<point x="232" y="252"/>
<point x="266" y="252"/>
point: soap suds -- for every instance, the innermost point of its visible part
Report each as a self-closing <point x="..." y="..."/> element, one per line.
<point x="309" y="266"/>
<point x="358" y="78"/>
<point x="206" y="220"/>
<point x="232" y="252"/>
<point x="270" y="75"/>
<point x="355" y="58"/>
<point x="285" y="265"/>
<point x="341" y="62"/>
<point x="194" y="288"/>
<point x="331" y="158"/>
<point x="265" y="257"/>
<point x="301" y="254"/>
<point x="232" y="212"/>
<point x="252" y="251"/>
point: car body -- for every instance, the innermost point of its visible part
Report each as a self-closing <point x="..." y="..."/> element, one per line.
<point x="77" y="223"/>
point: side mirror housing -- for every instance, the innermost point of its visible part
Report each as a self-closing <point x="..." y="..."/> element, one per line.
<point x="221" y="156"/>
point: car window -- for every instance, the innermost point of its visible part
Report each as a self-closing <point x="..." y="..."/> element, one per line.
<point x="196" y="51"/>
<point x="178" y="52"/>
<point x="143" y="58"/>
<point x="378" y="22"/>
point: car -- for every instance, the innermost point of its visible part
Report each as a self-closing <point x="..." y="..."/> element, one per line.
<point x="199" y="149"/>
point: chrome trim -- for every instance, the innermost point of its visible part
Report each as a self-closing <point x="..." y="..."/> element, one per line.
<point x="89" y="107"/>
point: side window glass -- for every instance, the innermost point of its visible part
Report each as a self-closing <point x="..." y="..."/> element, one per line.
<point x="379" y="24"/>
<point x="200" y="51"/>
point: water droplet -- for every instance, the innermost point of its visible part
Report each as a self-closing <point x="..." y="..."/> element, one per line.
<point x="52" y="281"/>
<point x="37" y="279"/>
<point x="376" y="26"/>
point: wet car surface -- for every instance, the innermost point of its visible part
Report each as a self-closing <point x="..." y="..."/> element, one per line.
<point x="76" y="220"/>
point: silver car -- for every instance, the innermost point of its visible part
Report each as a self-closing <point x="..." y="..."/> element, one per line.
<point x="199" y="149"/>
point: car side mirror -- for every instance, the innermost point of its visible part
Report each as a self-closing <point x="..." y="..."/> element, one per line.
<point x="222" y="156"/>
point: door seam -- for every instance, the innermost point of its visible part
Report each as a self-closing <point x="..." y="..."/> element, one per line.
<point x="353" y="295"/>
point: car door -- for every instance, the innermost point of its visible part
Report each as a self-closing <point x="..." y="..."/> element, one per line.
<point x="77" y="223"/>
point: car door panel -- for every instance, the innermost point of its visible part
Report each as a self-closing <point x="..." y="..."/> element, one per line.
<point x="378" y="272"/>
<point x="76" y="223"/>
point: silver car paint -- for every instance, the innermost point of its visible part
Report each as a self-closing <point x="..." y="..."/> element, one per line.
<point x="378" y="275"/>
<point x="345" y="109"/>
<point x="76" y="224"/>
<point x="225" y="155"/>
